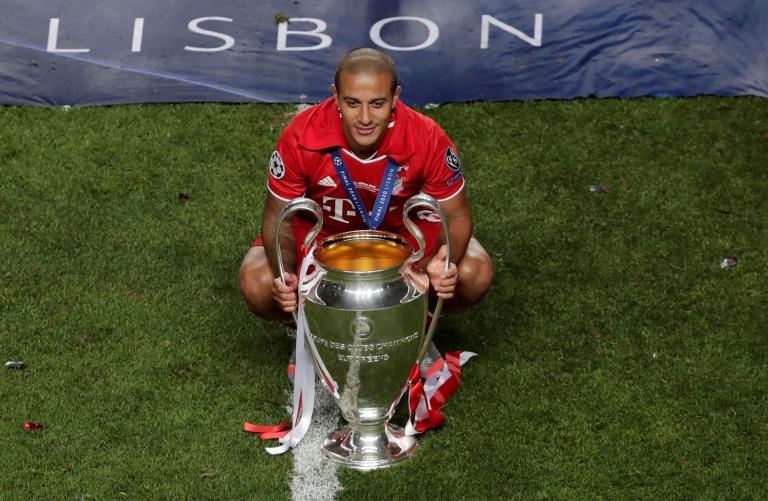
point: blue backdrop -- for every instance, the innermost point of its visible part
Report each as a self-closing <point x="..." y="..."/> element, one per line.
<point x="85" y="52"/>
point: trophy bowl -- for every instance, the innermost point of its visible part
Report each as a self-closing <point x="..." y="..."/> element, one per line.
<point x="366" y="318"/>
<point x="367" y="321"/>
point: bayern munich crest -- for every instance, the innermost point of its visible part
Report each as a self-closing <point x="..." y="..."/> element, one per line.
<point x="276" y="167"/>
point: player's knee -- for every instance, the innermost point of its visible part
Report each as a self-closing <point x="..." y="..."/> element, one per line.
<point x="475" y="277"/>
<point x="484" y="276"/>
<point x="255" y="279"/>
<point x="256" y="287"/>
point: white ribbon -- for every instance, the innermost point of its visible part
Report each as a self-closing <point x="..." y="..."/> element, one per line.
<point x="304" y="377"/>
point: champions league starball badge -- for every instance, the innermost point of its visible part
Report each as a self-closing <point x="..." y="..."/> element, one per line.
<point x="276" y="167"/>
<point x="452" y="159"/>
<point x="453" y="162"/>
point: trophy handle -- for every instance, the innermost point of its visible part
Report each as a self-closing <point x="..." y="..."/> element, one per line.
<point x="295" y="205"/>
<point x="424" y="200"/>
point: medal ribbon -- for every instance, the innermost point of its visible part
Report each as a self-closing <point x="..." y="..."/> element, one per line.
<point x="373" y="219"/>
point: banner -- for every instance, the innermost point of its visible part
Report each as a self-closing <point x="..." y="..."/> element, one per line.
<point x="90" y="52"/>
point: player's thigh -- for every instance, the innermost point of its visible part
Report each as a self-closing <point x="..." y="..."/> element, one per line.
<point x="256" y="275"/>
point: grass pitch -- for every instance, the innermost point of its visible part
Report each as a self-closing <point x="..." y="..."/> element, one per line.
<point x="618" y="360"/>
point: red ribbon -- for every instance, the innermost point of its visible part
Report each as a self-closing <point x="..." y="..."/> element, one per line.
<point x="268" y="432"/>
<point x="417" y="395"/>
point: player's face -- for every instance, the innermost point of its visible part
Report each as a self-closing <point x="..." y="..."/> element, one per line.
<point x="365" y="102"/>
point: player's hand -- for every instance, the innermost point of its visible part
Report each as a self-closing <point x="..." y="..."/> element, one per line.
<point x="418" y="277"/>
<point x="285" y="293"/>
<point x="443" y="282"/>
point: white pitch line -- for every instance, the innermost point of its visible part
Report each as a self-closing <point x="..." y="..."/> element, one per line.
<point x="314" y="476"/>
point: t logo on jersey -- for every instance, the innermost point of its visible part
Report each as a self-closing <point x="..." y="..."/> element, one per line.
<point x="338" y="209"/>
<point x="276" y="167"/>
<point x="452" y="159"/>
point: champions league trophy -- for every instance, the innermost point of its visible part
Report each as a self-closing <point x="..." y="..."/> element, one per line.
<point x="366" y="317"/>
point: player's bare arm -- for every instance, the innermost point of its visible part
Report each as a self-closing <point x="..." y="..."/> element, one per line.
<point x="272" y="208"/>
<point x="284" y="294"/>
<point x="460" y="224"/>
<point x="459" y="218"/>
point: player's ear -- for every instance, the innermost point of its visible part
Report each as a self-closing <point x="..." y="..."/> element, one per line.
<point x="335" y="95"/>
<point x="395" y="96"/>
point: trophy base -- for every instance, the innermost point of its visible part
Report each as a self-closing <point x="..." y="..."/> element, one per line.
<point x="369" y="451"/>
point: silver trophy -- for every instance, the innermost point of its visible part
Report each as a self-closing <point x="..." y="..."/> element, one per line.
<point x="366" y="312"/>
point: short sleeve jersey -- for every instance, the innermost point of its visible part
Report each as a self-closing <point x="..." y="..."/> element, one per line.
<point x="301" y="165"/>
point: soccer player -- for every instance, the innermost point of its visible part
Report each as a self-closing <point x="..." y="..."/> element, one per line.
<point x="366" y="126"/>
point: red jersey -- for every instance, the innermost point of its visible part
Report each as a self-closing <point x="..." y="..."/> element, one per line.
<point x="302" y="166"/>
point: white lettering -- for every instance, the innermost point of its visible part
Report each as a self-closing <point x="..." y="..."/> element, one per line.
<point x="53" y="36"/>
<point x="194" y="28"/>
<point x="138" y="33"/>
<point x="487" y="21"/>
<point x="337" y="211"/>
<point x="315" y="34"/>
<point x="318" y="32"/>
<point x="434" y="32"/>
